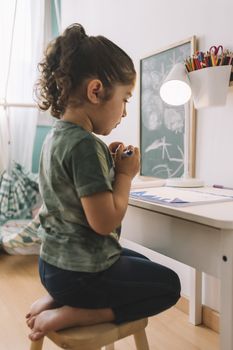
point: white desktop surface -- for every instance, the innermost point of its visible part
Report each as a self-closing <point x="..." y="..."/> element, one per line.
<point x="218" y="215"/>
<point x="200" y="236"/>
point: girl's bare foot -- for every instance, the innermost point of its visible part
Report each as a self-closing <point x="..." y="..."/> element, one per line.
<point x="42" y="304"/>
<point x="65" y="317"/>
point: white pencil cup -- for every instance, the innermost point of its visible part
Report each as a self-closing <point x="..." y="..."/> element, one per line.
<point x="210" y="86"/>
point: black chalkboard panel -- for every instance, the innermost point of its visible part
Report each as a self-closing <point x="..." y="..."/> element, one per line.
<point x="161" y="125"/>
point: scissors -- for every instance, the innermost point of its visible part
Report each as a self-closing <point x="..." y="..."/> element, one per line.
<point x="216" y="50"/>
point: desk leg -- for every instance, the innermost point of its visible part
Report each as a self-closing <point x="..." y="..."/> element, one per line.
<point x="195" y="301"/>
<point x="226" y="313"/>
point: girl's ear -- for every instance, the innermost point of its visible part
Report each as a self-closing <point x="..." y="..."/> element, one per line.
<point x="94" y="91"/>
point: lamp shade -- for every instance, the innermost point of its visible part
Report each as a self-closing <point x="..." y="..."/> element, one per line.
<point x="175" y="89"/>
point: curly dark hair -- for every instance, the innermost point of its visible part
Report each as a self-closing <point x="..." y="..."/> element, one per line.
<point x="70" y="60"/>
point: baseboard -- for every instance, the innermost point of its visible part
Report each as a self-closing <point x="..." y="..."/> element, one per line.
<point x="183" y="305"/>
<point x="210" y="317"/>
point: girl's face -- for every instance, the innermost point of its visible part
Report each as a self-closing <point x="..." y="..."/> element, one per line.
<point x="112" y="111"/>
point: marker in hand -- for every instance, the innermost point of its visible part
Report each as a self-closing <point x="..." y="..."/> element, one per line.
<point x="127" y="153"/>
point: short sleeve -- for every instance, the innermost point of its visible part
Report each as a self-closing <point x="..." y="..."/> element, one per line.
<point x="91" y="167"/>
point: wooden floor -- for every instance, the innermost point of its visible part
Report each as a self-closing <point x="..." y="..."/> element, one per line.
<point x="20" y="286"/>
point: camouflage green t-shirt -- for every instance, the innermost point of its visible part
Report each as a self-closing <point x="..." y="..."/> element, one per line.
<point x="74" y="164"/>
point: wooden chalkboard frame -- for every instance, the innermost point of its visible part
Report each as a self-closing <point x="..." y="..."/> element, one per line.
<point x="157" y="158"/>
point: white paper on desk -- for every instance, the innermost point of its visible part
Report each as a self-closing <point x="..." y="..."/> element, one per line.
<point x="177" y="196"/>
<point x="145" y="181"/>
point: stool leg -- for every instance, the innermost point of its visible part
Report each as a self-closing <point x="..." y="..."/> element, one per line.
<point x="110" y="347"/>
<point x="141" y="340"/>
<point x="37" y="345"/>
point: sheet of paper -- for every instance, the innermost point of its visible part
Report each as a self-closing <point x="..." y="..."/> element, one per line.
<point x="145" y="181"/>
<point x="180" y="196"/>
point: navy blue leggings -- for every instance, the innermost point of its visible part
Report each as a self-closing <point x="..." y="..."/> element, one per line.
<point x="133" y="287"/>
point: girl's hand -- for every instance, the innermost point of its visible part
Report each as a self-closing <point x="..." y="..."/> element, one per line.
<point x="113" y="147"/>
<point x="128" y="165"/>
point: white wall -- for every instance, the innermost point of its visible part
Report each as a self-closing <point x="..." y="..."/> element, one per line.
<point x="141" y="27"/>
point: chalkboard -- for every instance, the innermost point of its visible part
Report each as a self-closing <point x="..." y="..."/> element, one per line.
<point x="161" y="125"/>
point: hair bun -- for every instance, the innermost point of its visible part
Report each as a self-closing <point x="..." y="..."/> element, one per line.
<point x="76" y="30"/>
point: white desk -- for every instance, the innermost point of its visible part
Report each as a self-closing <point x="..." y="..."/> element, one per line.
<point x="200" y="236"/>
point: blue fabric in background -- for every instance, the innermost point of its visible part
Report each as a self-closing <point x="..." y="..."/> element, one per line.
<point x="41" y="132"/>
<point x="18" y="193"/>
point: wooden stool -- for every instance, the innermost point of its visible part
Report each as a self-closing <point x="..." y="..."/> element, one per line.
<point x="94" y="337"/>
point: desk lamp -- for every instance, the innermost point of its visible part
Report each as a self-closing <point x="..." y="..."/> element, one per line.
<point x="176" y="91"/>
<point x="208" y="87"/>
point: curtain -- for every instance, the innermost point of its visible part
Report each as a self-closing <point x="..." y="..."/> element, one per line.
<point x="20" y="61"/>
<point x="4" y="137"/>
<point x="22" y="40"/>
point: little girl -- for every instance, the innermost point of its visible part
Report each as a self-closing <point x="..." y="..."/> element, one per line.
<point x="86" y="82"/>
